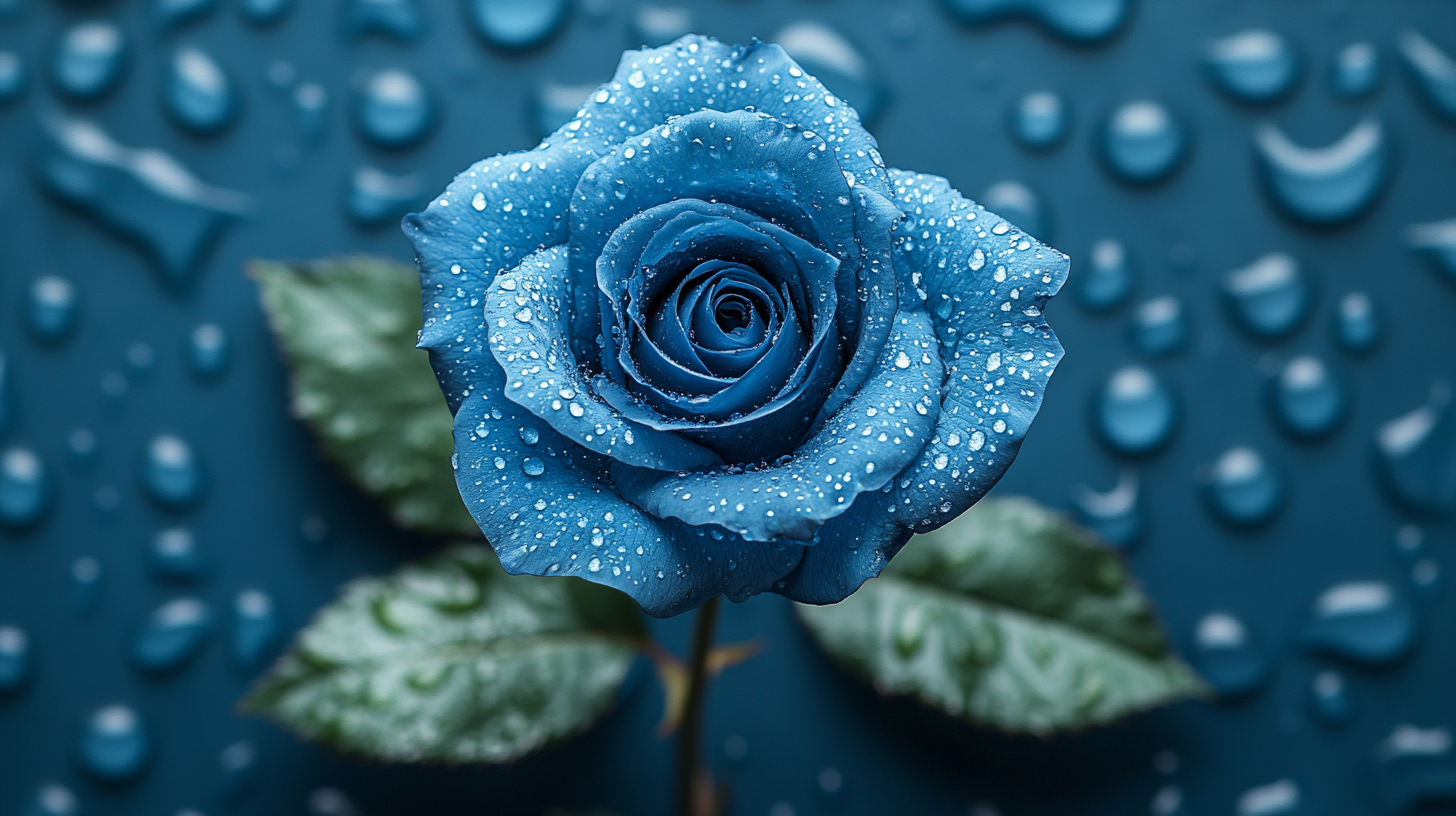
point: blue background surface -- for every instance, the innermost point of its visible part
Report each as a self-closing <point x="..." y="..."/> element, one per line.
<point x="950" y="86"/>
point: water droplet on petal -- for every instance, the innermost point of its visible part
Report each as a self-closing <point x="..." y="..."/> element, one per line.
<point x="1135" y="412"/>
<point x="53" y="309"/>
<point x="1363" y="622"/>
<point x="533" y="466"/>
<point x="393" y="109"/>
<point x="399" y="19"/>
<point x="1324" y="185"/>
<point x="1159" y="327"/>
<point x="1356" y="70"/>
<point x="1306" y="398"/>
<point x="1254" y="66"/>
<point x="89" y="60"/>
<point x="1358" y="324"/>
<point x="1227" y="657"/>
<point x="657" y="26"/>
<point x="25" y="492"/>
<point x="1432" y="71"/>
<point x="255" y="628"/>
<point x="1142" y="142"/>
<point x="1270" y="297"/>
<point x="843" y="68"/>
<point x="199" y="95"/>
<point x="1107" y="279"/>
<point x="1437" y="244"/>
<point x="171" y="636"/>
<point x="171" y="473"/>
<point x="1040" y="120"/>
<point x="1114" y="516"/>
<point x="1016" y="203"/>
<point x="514" y="24"/>
<point x="114" y="745"/>
<point x="15" y="659"/>
<point x="376" y="198"/>
<point x="13" y="77"/>
<point x="1242" y="490"/>
<point x="1416" y="455"/>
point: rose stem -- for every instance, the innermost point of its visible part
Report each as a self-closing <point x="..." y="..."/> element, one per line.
<point x="688" y="772"/>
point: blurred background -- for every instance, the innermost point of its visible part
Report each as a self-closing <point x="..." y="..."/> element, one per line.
<point x="1257" y="197"/>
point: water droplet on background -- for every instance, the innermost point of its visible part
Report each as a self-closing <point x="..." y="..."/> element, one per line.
<point x="53" y="309"/>
<point x="53" y="800"/>
<point x="89" y="60"/>
<point x="1416" y="455"/>
<point x="1363" y="622"/>
<point x="208" y="352"/>
<point x="1328" y="185"/>
<point x="1227" y="657"/>
<point x="845" y="70"/>
<point x="1308" y="401"/>
<point x="1329" y="699"/>
<point x="1143" y="143"/>
<point x="1242" y="490"/>
<point x="1108" y="277"/>
<point x="86" y="575"/>
<point x="15" y="660"/>
<point x="172" y="635"/>
<point x="1273" y="799"/>
<point x="1018" y="204"/>
<point x="656" y="26"/>
<point x="171" y="473"/>
<point x="516" y="24"/>
<point x="392" y="109"/>
<point x="264" y="13"/>
<point x="1415" y="769"/>
<point x="376" y="198"/>
<point x="1083" y="21"/>
<point x="311" y="110"/>
<point x="1358" y="324"/>
<point x="13" y="77"/>
<point x="1269" y="298"/>
<point x="1159" y="327"/>
<point x="1356" y="70"/>
<point x="401" y="20"/>
<point x="1436" y="243"/>
<point x="255" y="628"/>
<point x="1432" y="71"/>
<point x="239" y="765"/>
<point x="1256" y="66"/>
<point x="114" y="745"/>
<point x="555" y="104"/>
<point x="1115" y="516"/>
<point x="175" y="13"/>
<point x="331" y="802"/>
<point x="25" y="491"/>
<point x="174" y="556"/>
<point x="1040" y="120"/>
<point x="1135" y="412"/>
<point x="82" y="445"/>
<point x="199" y="96"/>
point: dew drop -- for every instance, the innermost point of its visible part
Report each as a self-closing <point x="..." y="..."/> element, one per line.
<point x="1273" y="799"/>
<point x="530" y="435"/>
<point x="1135" y="412"/>
<point x="1432" y="71"/>
<point x="843" y="68"/>
<point x="376" y="198"/>
<point x="255" y="628"/>
<point x="171" y="636"/>
<point x="13" y="77"/>
<point x="400" y="20"/>
<point x="1227" y="657"/>
<point x="264" y="13"/>
<point x="392" y="109"/>
<point x="1040" y="120"/>
<point x="1356" y="70"/>
<point x="1115" y="516"/>
<point x="1019" y="205"/>
<point x="1083" y="21"/>
<point x="518" y="24"/>
<point x="1142" y="142"/>
<point x="1254" y="66"/>
<point x="1329" y="700"/>
<point x="15" y="660"/>
<point x="1324" y="185"/>
<point x="86" y="575"/>
<point x="171" y="473"/>
<point x="208" y="352"/>
<point x="1416" y="455"/>
<point x="54" y="800"/>
<point x="1366" y="623"/>
<point x="1415" y="769"/>
<point x="1242" y="490"/>
<point x="1358" y="324"/>
<point x="1109" y="277"/>
<point x="311" y="110"/>
<point x="1159" y="327"/>
<point x="114" y="745"/>
<point x="533" y="466"/>
<point x="238" y="763"/>
<point x="89" y="60"/>
<point x="25" y="491"/>
<point x="199" y="95"/>
<point x="1269" y="298"/>
<point x="175" y="557"/>
<point x="1436" y="243"/>
<point x="1307" y="400"/>
<point x="52" y="310"/>
<point x="175" y="13"/>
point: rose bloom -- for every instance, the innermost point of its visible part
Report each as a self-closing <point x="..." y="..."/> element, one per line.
<point x="701" y="341"/>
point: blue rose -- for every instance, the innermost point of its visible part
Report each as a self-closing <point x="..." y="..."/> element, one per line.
<point x="702" y="341"/>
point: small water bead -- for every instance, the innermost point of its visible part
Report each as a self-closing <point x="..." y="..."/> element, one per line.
<point x="1416" y="455"/>
<point x="174" y="555"/>
<point x="1135" y="412"/>
<point x="15" y="659"/>
<point x="1115" y="516"/>
<point x="311" y="110"/>
<point x="25" y="490"/>
<point x="1040" y="120"/>
<point x="400" y="19"/>
<point x="1356" y="70"/>
<point x="86" y="575"/>
<point x="376" y="198"/>
<point x="392" y="109"/>
<point x="172" y="635"/>
<point x="175" y="13"/>
<point x="1142" y="142"/>
<point x="554" y="104"/>
<point x="115" y="745"/>
<point x="1241" y="489"/>
<point x="1329" y="699"/>
<point x="331" y="802"/>
<point x="53" y="800"/>
<point x="533" y="466"/>
<point x="171" y="473"/>
<point x="1328" y="185"/>
<point x="53" y="309"/>
<point x="1363" y="622"/>
<point x="843" y="68"/>
<point x="208" y="352"/>
<point x="1019" y="205"/>
<point x="1358" y="324"/>
<point x="1159" y="327"/>
<point x="239" y="765"/>
<point x="518" y="24"/>
<point x="1108" y="279"/>
<point x="1306" y="398"/>
<point x="1270" y="297"/>
<point x="198" y="94"/>
<point x="530" y="435"/>
<point x="1432" y="71"/>
<point x="1227" y="657"/>
<point x="1083" y="21"/>
<point x="656" y="26"/>
<point x="1436" y="242"/>
<point x="264" y="13"/>
<point x="89" y="60"/>
<point x="1415" y="769"/>
<point x="1274" y="799"/>
<point x="13" y="77"/>
<point x="255" y="628"/>
<point x="1254" y="66"/>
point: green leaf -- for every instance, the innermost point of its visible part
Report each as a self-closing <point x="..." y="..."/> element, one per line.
<point x="347" y="327"/>
<point x="452" y="660"/>
<point x="1010" y="617"/>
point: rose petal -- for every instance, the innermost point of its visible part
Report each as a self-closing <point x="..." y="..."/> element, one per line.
<point x="849" y="550"/>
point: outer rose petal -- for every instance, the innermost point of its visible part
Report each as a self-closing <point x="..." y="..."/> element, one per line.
<point x="849" y="550"/>
<point x="985" y="284"/>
